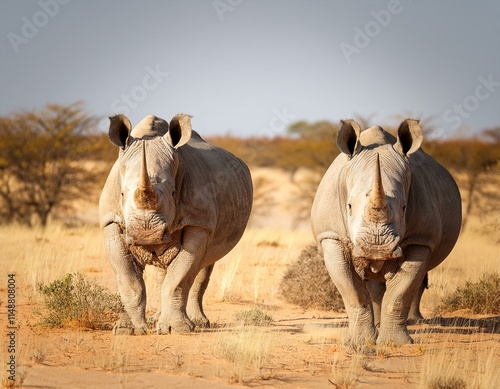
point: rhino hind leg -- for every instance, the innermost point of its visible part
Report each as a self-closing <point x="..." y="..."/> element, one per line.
<point x="376" y="290"/>
<point x="415" y="316"/>
<point x="195" y="299"/>
<point x="158" y="275"/>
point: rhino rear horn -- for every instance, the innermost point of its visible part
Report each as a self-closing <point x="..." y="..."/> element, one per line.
<point x="145" y="195"/>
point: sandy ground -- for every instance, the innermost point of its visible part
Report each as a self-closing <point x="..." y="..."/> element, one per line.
<point x="298" y="349"/>
<point x="304" y="352"/>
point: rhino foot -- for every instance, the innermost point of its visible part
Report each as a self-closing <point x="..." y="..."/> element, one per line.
<point x="201" y="322"/>
<point x="361" y="342"/>
<point x="396" y="337"/>
<point x="178" y="326"/>
<point x="415" y="318"/>
<point x="122" y="328"/>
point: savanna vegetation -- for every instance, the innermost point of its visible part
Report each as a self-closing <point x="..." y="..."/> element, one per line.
<point x="270" y="300"/>
<point x="52" y="156"/>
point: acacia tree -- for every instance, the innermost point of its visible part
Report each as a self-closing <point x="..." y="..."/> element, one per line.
<point x="41" y="161"/>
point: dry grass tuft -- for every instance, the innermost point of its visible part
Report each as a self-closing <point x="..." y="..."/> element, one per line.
<point x="480" y="297"/>
<point x="447" y="383"/>
<point x="247" y="348"/>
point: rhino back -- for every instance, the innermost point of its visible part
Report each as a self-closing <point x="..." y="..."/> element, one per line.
<point x="328" y="212"/>
<point x="216" y="193"/>
<point x="109" y="201"/>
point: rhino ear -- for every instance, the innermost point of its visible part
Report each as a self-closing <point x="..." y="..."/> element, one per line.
<point x="410" y="137"/>
<point x="348" y="137"/>
<point x="119" y="130"/>
<point x="180" y="130"/>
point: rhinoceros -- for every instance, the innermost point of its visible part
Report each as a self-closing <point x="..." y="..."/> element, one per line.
<point x="384" y="214"/>
<point x="176" y="202"/>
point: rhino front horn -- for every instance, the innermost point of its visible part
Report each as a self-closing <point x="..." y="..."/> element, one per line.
<point x="145" y="195"/>
<point x="377" y="209"/>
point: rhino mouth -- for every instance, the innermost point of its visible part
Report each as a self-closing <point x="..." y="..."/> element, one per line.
<point x="149" y="238"/>
<point x="146" y="229"/>
<point x="378" y="252"/>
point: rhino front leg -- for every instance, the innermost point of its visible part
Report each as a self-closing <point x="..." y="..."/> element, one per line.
<point x="354" y="294"/>
<point x="130" y="284"/>
<point x="195" y="300"/>
<point x="402" y="288"/>
<point x="180" y="276"/>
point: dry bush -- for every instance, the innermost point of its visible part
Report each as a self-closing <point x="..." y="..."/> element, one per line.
<point x="308" y="284"/>
<point x="447" y="383"/>
<point x="75" y="300"/>
<point x="480" y="297"/>
<point x="253" y="317"/>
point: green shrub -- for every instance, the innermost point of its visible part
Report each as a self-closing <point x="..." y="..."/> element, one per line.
<point x="481" y="297"/>
<point x="76" y="300"/>
<point x="308" y="284"/>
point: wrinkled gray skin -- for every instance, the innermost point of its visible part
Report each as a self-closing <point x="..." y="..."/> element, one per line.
<point x="384" y="214"/>
<point x="176" y="202"/>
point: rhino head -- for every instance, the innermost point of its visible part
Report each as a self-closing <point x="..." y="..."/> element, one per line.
<point x="377" y="179"/>
<point x="149" y="171"/>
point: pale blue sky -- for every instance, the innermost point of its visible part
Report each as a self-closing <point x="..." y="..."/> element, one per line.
<point x="250" y="67"/>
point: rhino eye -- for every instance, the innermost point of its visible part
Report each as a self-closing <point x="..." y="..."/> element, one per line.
<point x="350" y="209"/>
